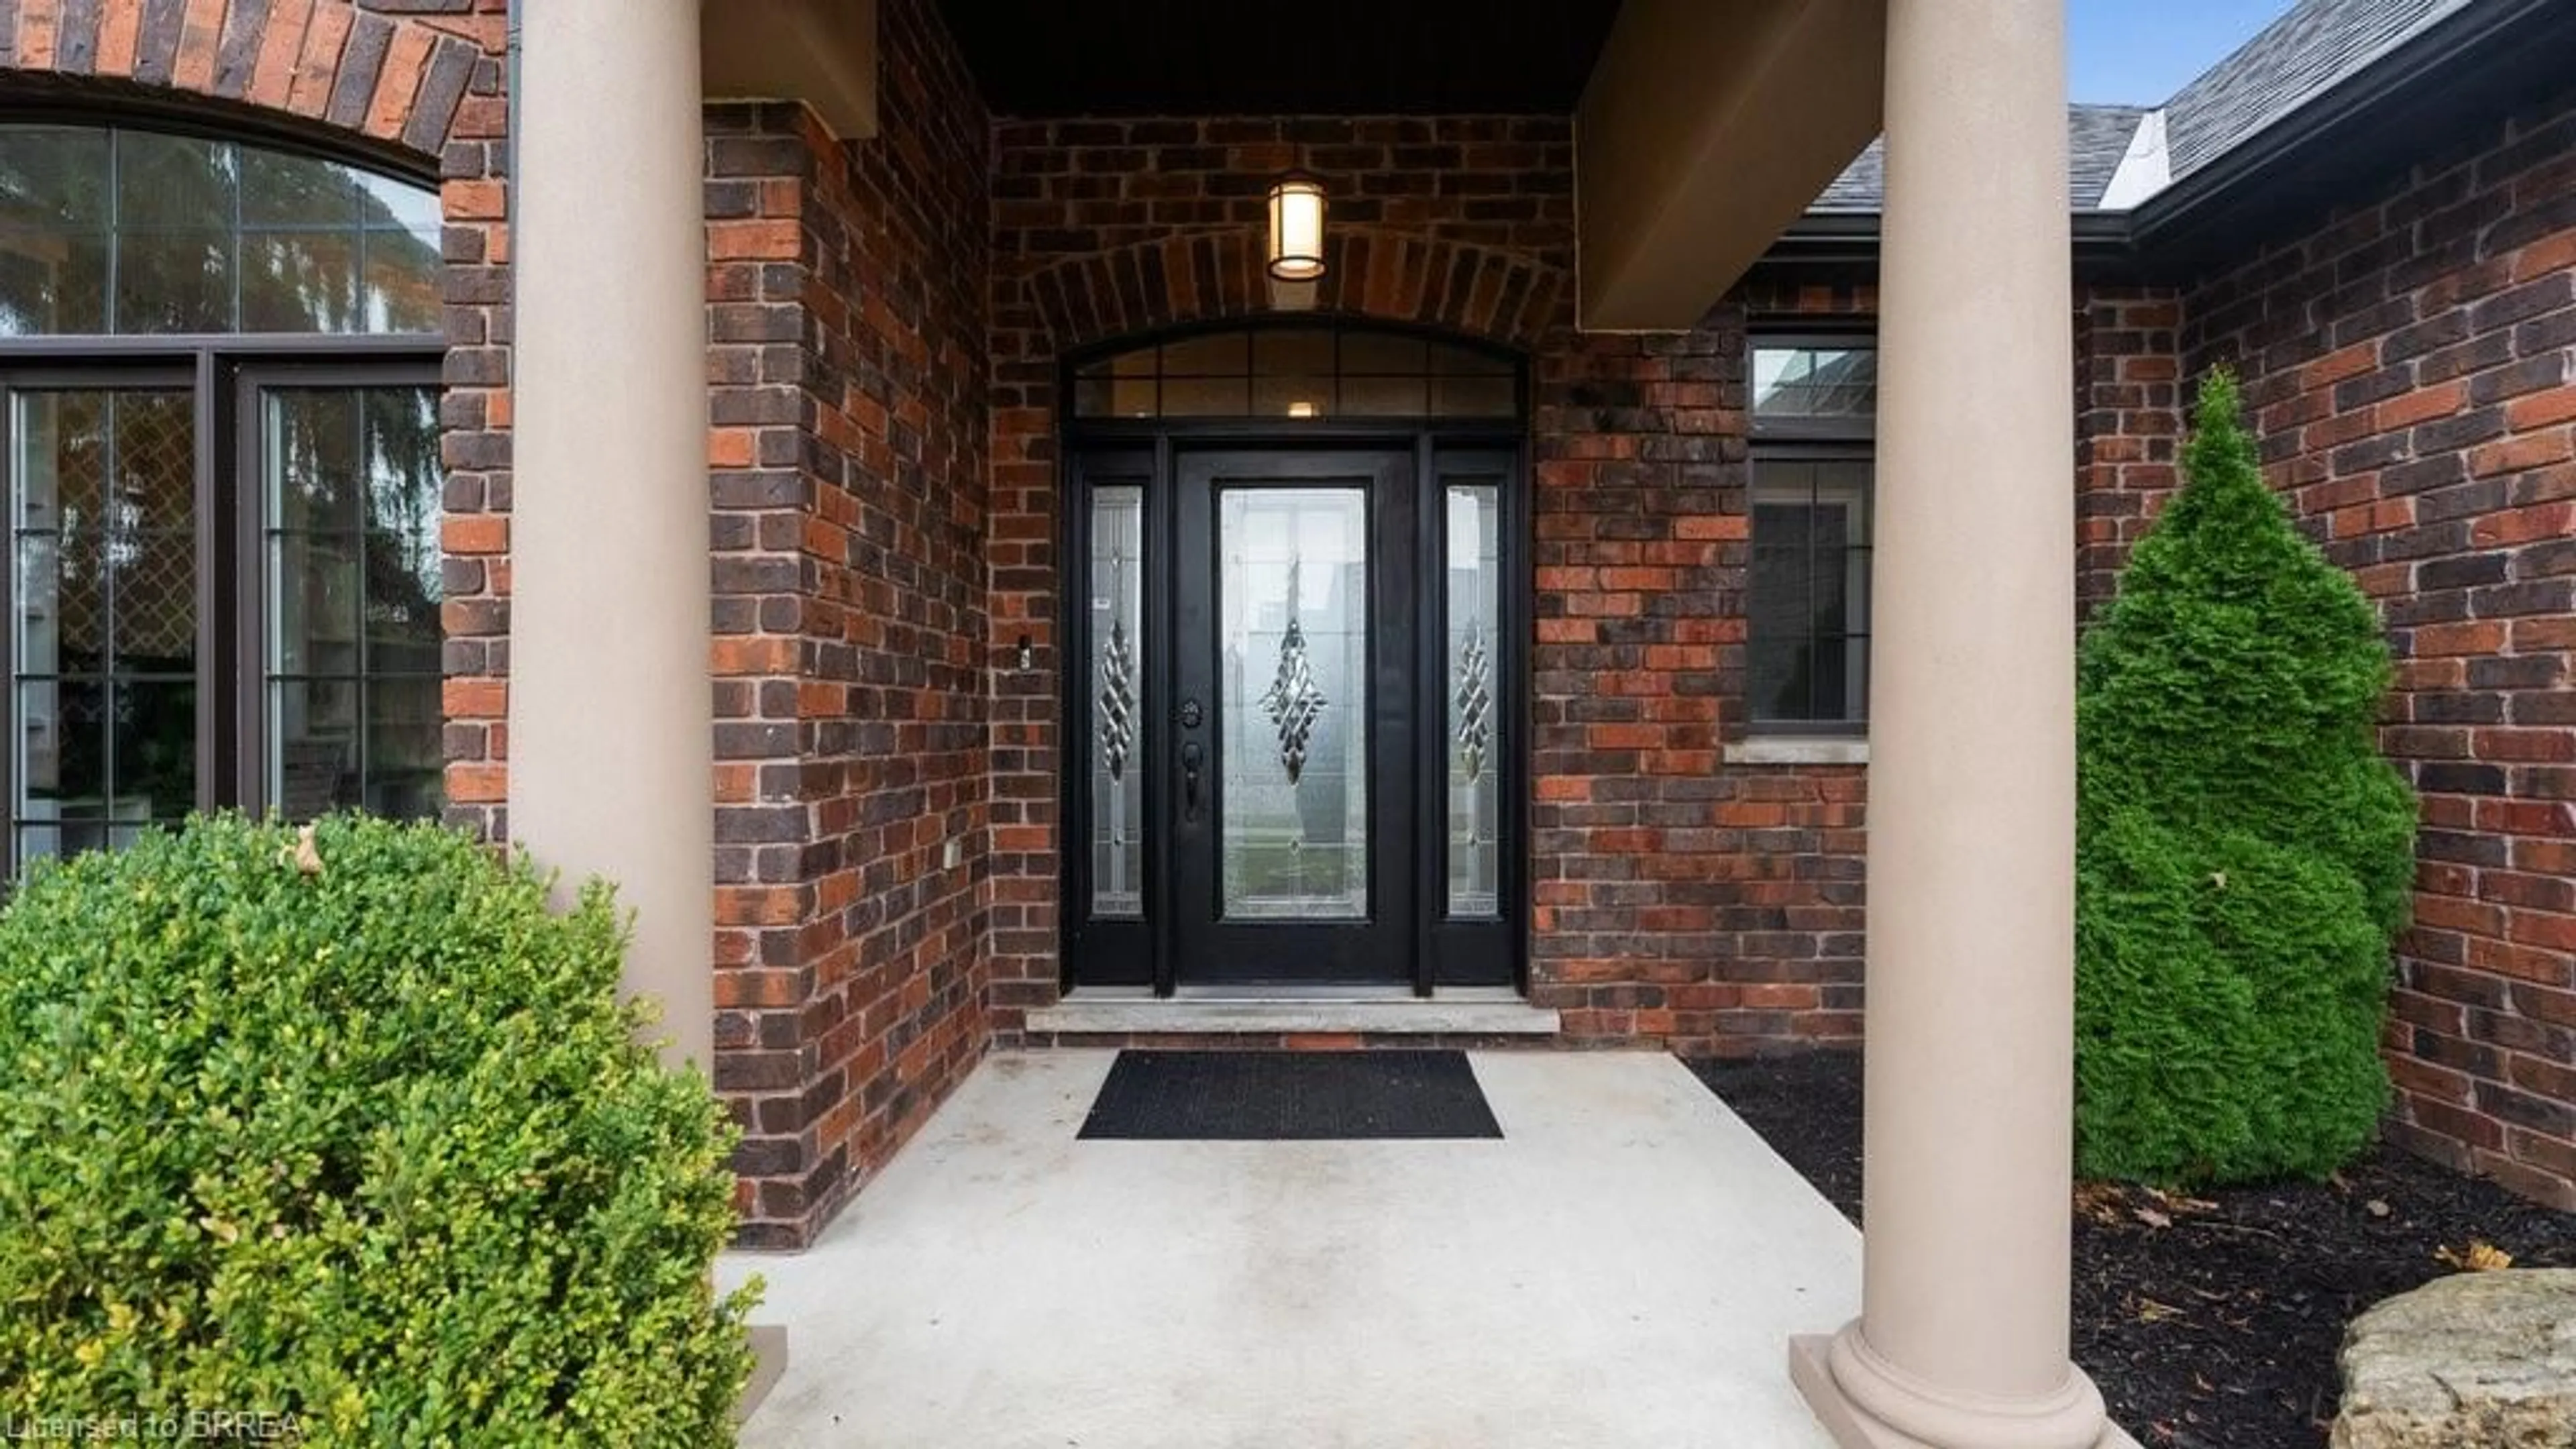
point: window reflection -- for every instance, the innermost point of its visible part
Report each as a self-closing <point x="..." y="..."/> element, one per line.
<point x="1809" y="591"/>
<point x="103" y="645"/>
<point x="132" y="233"/>
<point x="353" y="667"/>
<point x="1299" y="372"/>
<point x="1815" y="382"/>
<point x="116" y="720"/>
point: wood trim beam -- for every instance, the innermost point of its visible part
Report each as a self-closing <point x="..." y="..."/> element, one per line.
<point x="1707" y="127"/>
<point x="820" y="52"/>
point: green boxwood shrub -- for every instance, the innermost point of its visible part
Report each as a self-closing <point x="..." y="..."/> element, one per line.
<point x="371" y="1145"/>
<point x="2244" y="852"/>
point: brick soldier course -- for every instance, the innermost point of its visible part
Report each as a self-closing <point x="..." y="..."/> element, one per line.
<point x="886" y="322"/>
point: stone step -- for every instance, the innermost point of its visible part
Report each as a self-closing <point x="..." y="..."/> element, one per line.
<point x="1098" y="1012"/>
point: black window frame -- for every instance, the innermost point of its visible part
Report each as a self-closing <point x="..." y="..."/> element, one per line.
<point x="225" y="375"/>
<point x="1482" y="364"/>
<point x="1806" y="439"/>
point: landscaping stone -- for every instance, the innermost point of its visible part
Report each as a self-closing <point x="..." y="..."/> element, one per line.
<point x="2475" y="1358"/>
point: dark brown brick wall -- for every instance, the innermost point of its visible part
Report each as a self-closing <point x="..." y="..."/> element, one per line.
<point x="848" y="476"/>
<point x="1677" y="899"/>
<point x="2410" y="359"/>
<point x="475" y="412"/>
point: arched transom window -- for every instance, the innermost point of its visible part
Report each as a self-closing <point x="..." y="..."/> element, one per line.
<point x="1317" y="371"/>
<point x="136" y="233"/>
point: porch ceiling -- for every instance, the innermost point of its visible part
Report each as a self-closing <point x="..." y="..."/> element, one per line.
<point x="1704" y="127"/>
<point x="1045" y="58"/>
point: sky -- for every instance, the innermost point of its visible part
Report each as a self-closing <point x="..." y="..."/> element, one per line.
<point x="2140" y="52"/>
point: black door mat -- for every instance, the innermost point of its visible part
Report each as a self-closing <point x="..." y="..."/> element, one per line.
<point x="1253" y="1096"/>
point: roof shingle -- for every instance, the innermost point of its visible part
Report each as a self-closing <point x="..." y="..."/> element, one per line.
<point x="2097" y="137"/>
<point x="2314" y="47"/>
<point x="2295" y="59"/>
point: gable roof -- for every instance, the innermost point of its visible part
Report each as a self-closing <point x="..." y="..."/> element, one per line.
<point x="2314" y="47"/>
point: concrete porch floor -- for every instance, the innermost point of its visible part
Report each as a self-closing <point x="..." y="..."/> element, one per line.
<point x="1623" y="1269"/>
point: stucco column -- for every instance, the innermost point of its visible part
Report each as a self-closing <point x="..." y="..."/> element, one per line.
<point x="1962" y="1339"/>
<point x="611" y="754"/>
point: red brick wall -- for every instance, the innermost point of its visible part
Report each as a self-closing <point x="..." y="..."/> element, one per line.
<point x="885" y="324"/>
<point x="2128" y="426"/>
<point x="848" y="477"/>
<point x="2411" y="363"/>
<point x="1676" y="898"/>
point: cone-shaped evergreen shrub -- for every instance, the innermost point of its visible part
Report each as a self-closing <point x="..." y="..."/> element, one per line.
<point x="2244" y="852"/>
<point x="357" y="1138"/>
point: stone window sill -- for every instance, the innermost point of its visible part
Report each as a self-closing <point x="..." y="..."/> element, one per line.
<point x="1798" y="750"/>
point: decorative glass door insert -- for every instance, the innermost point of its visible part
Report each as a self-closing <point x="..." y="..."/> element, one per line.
<point x="1292" y="725"/>
<point x="1293" y="579"/>
<point x="1471" y="582"/>
<point x="1118" y="719"/>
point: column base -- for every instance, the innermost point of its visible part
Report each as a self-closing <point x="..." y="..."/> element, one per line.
<point x="1813" y="1366"/>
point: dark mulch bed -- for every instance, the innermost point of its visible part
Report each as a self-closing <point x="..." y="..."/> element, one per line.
<point x="2210" y="1321"/>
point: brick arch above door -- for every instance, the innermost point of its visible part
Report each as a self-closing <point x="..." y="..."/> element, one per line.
<point x="1484" y="293"/>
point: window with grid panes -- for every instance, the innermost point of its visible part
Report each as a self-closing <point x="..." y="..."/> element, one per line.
<point x="1813" y="402"/>
<point x="219" y="421"/>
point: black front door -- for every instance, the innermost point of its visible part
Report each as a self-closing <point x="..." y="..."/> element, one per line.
<point x="1292" y="752"/>
<point x="1293" y="715"/>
